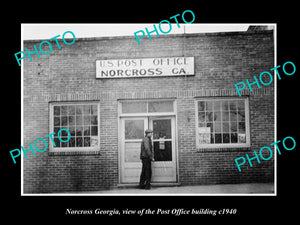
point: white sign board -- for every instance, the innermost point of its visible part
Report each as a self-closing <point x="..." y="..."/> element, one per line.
<point x="204" y="135"/>
<point x="145" y="67"/>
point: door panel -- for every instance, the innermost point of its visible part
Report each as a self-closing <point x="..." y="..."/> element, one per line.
<point x="132" y="152"/>
<point x="164" y="166"/>
<point x="161" y="128"/>
<point x="162" y="153"/>
<point x="131" y="134"/>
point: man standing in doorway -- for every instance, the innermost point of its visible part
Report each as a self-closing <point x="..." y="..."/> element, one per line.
<point x="146" y="156"/>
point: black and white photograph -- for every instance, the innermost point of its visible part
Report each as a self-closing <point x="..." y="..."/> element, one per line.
<point x="163" y="114"/>
<point x="150" y="114"/>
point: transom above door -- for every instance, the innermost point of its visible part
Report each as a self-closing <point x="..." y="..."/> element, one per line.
<point x="147" y="107"/>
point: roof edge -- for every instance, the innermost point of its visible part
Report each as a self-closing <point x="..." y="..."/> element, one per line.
<point x="165" y="36"/>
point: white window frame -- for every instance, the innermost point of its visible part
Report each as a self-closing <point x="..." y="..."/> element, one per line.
<point x="72" y="149"/>
<point x="225" y="145"/>
<point x="121" y="114"/>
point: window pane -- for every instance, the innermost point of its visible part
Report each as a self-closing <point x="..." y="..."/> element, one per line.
<point x="242" y="138"/>
<point x="72" y="131"/>
<point x="71" y="120"/>
<point x="233" y="137"/>
<point x="204" y="135"/>
<point x="72" y="110"/>
<point x="233" y="126"/>
<point x="87" y="142"/>
<point x="161" y="129"/>
<point x="218" y="128"/>
<point x="209" y="106"/>
<point x="201" y="117"/>
<point x="87" y="120"/>
<point x="201" y="106"/>
<point x="79" y="109"/>
<point x="161" y="106"/>
<point x="134" y="107"/>
<point x="225" y="127"/>
<point x="64" y="144"/>
<point x="78" y="120"/>
<point x="226" y="138"/>
<point x="225" y="116"/>
<point x="94" y="110"/>
<point x="242" y="127"/>
<point x="57" y="142"/>
<point x="72" y="142"/>
<point x="217" y="116"/>
<point x="56" y="121"/>
<point x="241" y="105"/>
<point x="63" y="133"/>
<point x="79" y="142"/>
<point x="162" y="155"/>
<point x="218" y="138"/>
<point x="134" y="129"/>
<point x="212" y="138"/>
<point x="202" y="125"/>
<point x="64" y="110"/>
<point x="56" y="129"/>
<point x="64" y="120"/>
<point x="241" y="116"/>
<point x="79" y="131"/>
<point x="210" y="126"/>
<point x="209" y="116"/>
<point x="86" y="131"/>
<point x="233" y="116"/>
<point x="94" y="130"/>
<point x="217" y="105"/>
<point x="232" y="105"/>
<point x="225" y="106"/>
<point x="56" y="110"/>
<point x="94" y="141"/>
<point x="94" y="120"/>
<point x="86" y="109"/>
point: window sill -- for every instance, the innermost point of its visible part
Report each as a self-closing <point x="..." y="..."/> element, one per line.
<point x="74" y="152"/>
<point x="223" y="149"/>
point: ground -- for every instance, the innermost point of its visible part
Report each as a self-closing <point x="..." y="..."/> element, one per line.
<point x="250" y="188"/>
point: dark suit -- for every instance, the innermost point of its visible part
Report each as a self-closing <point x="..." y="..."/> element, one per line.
<point x="146" y="156"/>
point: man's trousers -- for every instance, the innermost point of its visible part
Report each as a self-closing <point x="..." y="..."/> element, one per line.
<point x="146" y="173"/>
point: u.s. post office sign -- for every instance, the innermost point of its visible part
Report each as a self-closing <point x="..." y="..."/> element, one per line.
<point x="145" y="67"/>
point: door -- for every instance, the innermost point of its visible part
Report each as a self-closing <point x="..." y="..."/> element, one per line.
<point x="164" y="166"/>
<point x="132" y="131"/>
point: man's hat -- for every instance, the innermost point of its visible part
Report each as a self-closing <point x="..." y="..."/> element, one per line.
<point x="148" y="131"/>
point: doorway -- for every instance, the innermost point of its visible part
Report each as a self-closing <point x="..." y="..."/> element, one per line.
<point x="164" y="146"/>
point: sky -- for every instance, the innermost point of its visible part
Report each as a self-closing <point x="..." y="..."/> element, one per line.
<point x="47" y="31"/>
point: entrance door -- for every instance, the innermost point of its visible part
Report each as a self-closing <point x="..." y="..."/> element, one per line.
<point x="131" y="134"/>
<point x="164" y="166"/>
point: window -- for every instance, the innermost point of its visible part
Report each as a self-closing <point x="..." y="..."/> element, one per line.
<point x="134" y="107"/>
<point x="146" y="107"/>
<point x="223" y="122"/>
<point x="81" y="119"/>
<point x="160" y="106"/>
<point x="134" y="129"/>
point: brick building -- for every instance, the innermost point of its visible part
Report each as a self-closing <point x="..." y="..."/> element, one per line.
<point x="108" y="90"/>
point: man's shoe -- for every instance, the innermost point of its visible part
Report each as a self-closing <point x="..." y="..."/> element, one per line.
<point x="148" y="187"/>
<point x="141" y="186"/>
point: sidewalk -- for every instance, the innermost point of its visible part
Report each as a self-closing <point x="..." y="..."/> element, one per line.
<point x="250" y="188"/>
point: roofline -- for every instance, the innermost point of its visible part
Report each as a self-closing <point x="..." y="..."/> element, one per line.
<point x="165" y="36"/>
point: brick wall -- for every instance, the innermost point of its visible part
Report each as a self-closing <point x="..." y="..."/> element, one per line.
<point x="221" y="60"/>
